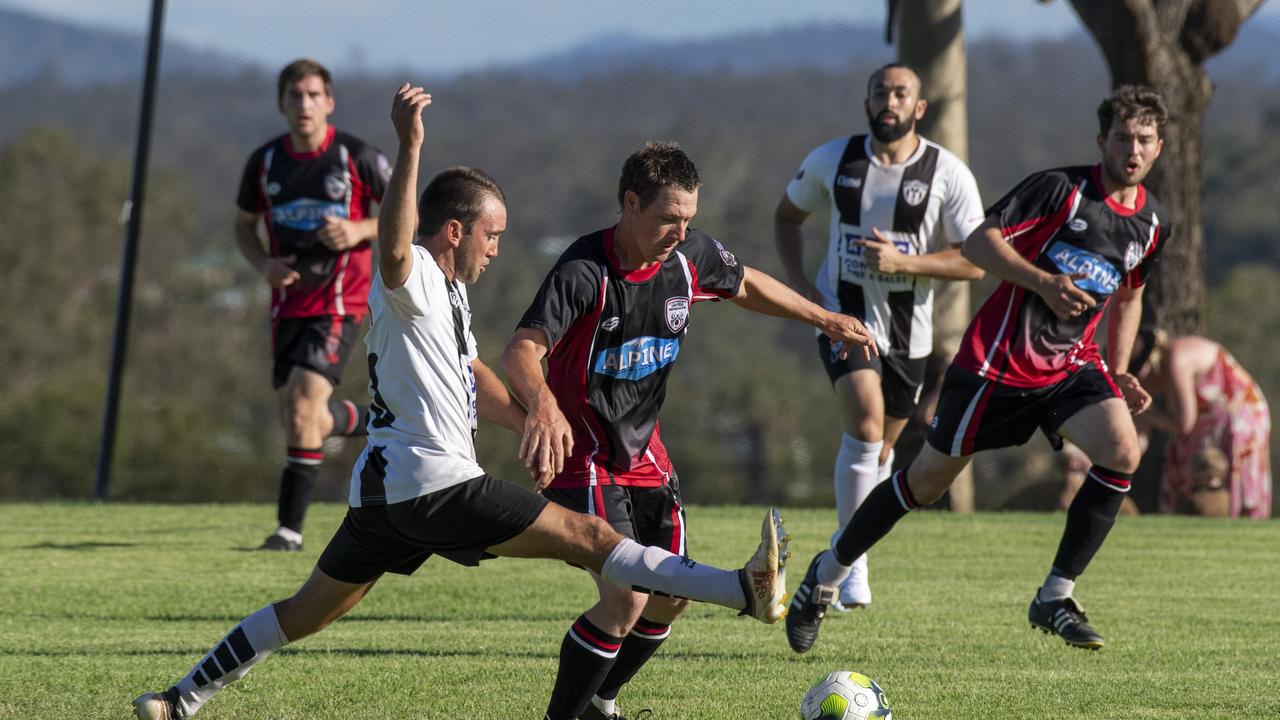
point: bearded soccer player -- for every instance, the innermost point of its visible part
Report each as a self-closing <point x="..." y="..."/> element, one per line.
<point x="417" y="489"/>
<point x="313" y="189"/>
<point x="610" y="318"/>
<point x="900" y="208"/>
<point x="1066" y="243"/>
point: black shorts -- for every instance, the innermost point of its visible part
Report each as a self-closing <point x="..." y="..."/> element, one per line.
<point x="458" y="523"/>
<point x="901" y="378"/>
<point x="319" y="344"/>
<point x="648" y="515"/>
<point x="976" y="414"/>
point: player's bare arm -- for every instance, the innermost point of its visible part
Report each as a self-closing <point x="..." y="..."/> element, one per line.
<point x="1122" y="328"/>
<point x="340" y="234"/>
<point x="399" y="211"/>
<point x="762" y="293"/>
<point x="789" y="240"/>
<point x="546" y="439"/>
<point x="883" y="256"/>
<point x="493" y="403"/>
<point x="277" y="271"/>
<point x="987" y="248"/>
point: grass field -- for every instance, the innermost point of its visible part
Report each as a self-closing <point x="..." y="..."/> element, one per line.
<point x="99" y="603"/>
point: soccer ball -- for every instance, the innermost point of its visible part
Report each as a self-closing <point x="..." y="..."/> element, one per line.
<point x="845" y="695"/>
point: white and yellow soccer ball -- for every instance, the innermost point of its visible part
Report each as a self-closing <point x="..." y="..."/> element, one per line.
<point x="845" y="695"/>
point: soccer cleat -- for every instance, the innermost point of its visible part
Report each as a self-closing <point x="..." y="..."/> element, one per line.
<point x="1066" y="619"/>
<point x="764" y="577"/>
<point x="593" y="713"/>
<point x="279" y="543"/>
<point x="808" y="608"/>
<point x="158" y="706"/>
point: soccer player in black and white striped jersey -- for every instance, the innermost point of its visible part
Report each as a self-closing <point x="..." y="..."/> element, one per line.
<point x="900" y="208"/>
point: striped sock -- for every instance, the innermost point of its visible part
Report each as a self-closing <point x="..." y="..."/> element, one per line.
<point x="586" y="655"/>
<point x="643" y="641"/>
<point x="248" y="644"/>
<point x="349" y="419"/>
<point x="884" y="507"/>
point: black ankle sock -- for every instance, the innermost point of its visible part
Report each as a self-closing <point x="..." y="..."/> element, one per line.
<point x="1089" y="519"/>
<point x="297" y="482"/>
<point x="637" y="647"/>
<point x="586" y="655"/>
<point x="875" y="517"/>
<point x="349" y="419"/>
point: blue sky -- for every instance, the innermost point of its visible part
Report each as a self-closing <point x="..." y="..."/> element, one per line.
<point x="450" y="35"/>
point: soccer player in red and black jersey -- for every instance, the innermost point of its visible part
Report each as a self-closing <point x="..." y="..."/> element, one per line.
<point x="313" y="189"/>
<point x="610" y="319"/>
<point x="1066" y="243"/>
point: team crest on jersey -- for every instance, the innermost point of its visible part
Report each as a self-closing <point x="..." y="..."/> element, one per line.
<point x="336" y="186"/>
<point x="725" y="256"/>
<point x="915" y="191"/>
<point x="677" y="313"/>
<point x="611" y="324"/>
<point x="1132" y="255"/>
<point x="1078" y="225"/>
<point x="273" y="188"/>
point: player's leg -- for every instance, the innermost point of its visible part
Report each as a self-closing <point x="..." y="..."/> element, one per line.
<point x="303" y="401"/>
<point x="1104" y="431"/>
<point x="320" y="601"/>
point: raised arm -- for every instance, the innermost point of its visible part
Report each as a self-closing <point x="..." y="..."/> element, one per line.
<point x="399" y="217"/>
<point x="547" y="439"/>
<point x="763" y="294"/>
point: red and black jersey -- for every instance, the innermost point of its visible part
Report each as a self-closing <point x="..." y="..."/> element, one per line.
<point x="296" y="191"/>
<point x="614" y="335"/>
<point x="1063" y="222"/>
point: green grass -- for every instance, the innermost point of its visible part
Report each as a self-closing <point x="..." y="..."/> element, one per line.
<point x="99" y="603"/>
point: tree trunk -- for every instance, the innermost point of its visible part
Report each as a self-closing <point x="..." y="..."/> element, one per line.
<point x="931" y="40"/>
<point x="1163" y="44"/>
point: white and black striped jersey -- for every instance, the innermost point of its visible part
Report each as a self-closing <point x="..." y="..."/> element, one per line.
<point x="926" y="204"/>
<point x="422" y="410"/>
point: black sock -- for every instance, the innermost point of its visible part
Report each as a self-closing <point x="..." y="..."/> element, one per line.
<point x="297" y="482"/>
<point x="348" y="418"/>
<point x="586" y="655"/>
<point x="875" y="517"/>
<point x="645" y="639"/>
<point x="1089" y="519"/>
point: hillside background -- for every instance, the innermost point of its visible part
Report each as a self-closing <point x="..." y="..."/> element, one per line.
<point x="749" y="415"/>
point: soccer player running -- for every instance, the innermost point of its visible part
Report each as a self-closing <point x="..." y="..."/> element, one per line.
<point x="417" y="489"/>
<point x="313" y="189"/>
<point x="1066" y="243"/>
<point x="610" y="318"/>
<point x="900" y="208"/>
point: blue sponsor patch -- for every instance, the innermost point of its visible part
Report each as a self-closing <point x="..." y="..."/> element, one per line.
<point x="1101" y="276"/>
<point x="637" y="358"/>
<point x="306" y="213"/>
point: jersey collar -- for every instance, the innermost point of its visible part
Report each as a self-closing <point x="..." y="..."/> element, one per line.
<point x="637" y="275"/>
<point x="1095" y="174"/>
<point x="312" y="155"/>
<point x="869" y="149"/>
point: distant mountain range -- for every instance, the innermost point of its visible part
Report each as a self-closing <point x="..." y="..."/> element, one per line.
<point x="33" y="46"/>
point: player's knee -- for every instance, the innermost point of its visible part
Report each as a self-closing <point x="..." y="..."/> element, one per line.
<point x="592" y="538"/>
<point x="1128" y="455"/>
<point x="665" y="609"/>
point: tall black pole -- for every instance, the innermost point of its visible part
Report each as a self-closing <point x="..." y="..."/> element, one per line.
<point x="132" y="217"/>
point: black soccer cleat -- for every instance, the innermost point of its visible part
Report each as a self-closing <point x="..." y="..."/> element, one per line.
<point x="593" y="713"/>
<point x="808" y="608"/>
<point x="1066" y="619"/>
<point x="278" y="543"/>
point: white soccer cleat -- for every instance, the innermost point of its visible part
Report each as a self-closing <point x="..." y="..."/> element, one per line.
<point x="764" y="577"/>
<point x="158" y="706"/>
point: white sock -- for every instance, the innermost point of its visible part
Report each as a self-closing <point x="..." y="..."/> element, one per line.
<point x="633" y="565"/>
<point x="830" y="572"/>
<point x="856" y="474"/>
<point x="248" y="644"/>
<point x="886" y="468"/>
<point x="606" y="707"/>
<point x="290" y="535"/>
<point x="1056" y="587"/>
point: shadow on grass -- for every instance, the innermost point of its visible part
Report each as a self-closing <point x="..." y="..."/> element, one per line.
<point x="77" y="546"/>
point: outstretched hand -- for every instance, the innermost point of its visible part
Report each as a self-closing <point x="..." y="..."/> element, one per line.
<point x="1064" y="298"/>
<point x="846" y="331"/>
<point x="406" y="114"/>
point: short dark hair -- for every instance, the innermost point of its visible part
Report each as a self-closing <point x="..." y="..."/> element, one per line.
<point x="1133" y="102"/>
<point x="299" y="69"/>
<point x="896" y="66"/>
<point x="653" y="167"/>
<point x="458" y="194"/>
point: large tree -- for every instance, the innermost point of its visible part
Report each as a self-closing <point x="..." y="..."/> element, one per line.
<point x="1164" y="44"/>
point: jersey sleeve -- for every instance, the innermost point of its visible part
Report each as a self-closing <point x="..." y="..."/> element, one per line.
<point x="412" y="299"/>
<point x="249" y="199"/>
<point x="568" y="292"/>
<point x="374" y="170"/>
<point x="716" y="272"/>
<point x="1031" y="203"/>
<point x="808" y="187"/>
<point x="961" y="208"/>
<point x="1160" y="236"/>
